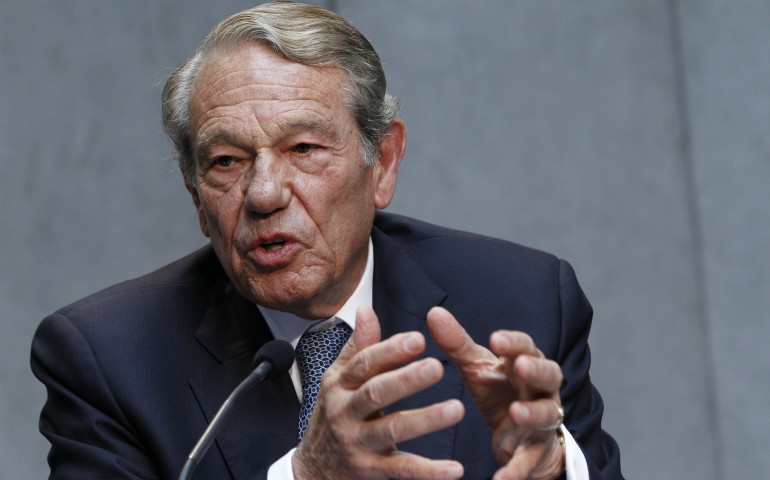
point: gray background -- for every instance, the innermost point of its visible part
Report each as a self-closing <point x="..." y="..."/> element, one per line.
<point x="628" y="136"/>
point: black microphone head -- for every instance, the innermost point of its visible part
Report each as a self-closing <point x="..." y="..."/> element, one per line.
<point x="280" y="355"/>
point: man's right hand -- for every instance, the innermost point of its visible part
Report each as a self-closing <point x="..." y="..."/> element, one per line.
<point x="349" y="437"/>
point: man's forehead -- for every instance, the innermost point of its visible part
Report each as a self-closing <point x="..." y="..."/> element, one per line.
<point x="252" y="62"/>
<point x="254" y="73"/>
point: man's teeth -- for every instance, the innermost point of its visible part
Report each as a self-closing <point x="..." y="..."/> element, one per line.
<point x="273" y="247"/>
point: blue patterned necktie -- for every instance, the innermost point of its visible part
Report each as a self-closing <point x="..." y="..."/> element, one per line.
<point x="315" y="352"/>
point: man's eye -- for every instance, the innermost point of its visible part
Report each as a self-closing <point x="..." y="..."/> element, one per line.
<point x="304" y="148"/>
<point x="224" y="161"/>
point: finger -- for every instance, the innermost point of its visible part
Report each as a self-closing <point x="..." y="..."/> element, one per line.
<point x="509" y="343"/>
<point x="524" y="461"/>
<point x="381" y="357"/>
<point x="542" y="415"/>
<point x="387" y="388"/>
<point x="539" y="374"/>
<point x="453" y="340"/>
<point x="410" y="466"/>
<point x="400" y="426"/>
<point x="367" y="332"/>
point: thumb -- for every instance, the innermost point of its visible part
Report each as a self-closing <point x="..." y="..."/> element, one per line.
<point x="453" y="340"/>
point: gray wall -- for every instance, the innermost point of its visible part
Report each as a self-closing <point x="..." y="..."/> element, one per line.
<point x="628" y="136"/>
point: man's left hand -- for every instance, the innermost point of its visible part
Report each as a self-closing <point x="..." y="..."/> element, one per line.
<point x="517" y="391"/>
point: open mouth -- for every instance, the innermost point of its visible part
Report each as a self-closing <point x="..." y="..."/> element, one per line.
<point x="273" y="246"/>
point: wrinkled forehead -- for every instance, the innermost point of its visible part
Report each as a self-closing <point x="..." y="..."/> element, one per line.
<point x="254" y="64"/>
<point x="253" y="85"/>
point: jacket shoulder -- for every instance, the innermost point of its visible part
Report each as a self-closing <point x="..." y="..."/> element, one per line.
<point x="436" y="246"/>
<point x="197" y="270"/>
<point x="488" y="283"/>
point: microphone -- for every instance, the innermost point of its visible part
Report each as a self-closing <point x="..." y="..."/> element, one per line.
<point x="272" y="360"/>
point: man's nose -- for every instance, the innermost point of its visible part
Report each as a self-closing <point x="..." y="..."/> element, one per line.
<point x="267" y="188"/>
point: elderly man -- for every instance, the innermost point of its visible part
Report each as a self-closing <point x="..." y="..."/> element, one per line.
<point x="289" y="145"/>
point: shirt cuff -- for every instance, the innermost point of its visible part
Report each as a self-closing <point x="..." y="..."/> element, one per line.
<point x="281" y="469"/>
<point x="577" y="468"/>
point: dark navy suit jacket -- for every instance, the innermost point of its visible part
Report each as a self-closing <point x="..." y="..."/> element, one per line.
<point x="135" y="372"/>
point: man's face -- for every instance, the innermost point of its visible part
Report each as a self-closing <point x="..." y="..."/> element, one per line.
<point x="281" y="189"/>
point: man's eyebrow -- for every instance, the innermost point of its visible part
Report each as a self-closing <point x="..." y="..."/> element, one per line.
<point x="287" y="127"/>
<point x="212" y="138"/>
<point x="293" y="126"/>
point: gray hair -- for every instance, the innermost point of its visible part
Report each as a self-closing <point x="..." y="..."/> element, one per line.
<point x="302" y="33"/>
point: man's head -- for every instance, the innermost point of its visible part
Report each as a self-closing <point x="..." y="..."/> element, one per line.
<point x="302" y="33"/>
<point x="288" y="144"/>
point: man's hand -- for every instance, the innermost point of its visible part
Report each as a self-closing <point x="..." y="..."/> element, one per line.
<point x="349" y="437"/>
<point x="517" y="391"/>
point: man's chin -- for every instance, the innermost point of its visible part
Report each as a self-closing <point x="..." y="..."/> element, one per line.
<point x="314" y="293"/>
<point x="308" y="310"/>
<point x="304" y="302"/>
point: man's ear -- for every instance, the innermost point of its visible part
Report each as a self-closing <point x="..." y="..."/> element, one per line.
<point x="198" y="207"/>
<point x="392" y="148"/>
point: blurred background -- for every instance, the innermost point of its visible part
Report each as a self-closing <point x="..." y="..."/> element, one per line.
<point x="628" y="136"/>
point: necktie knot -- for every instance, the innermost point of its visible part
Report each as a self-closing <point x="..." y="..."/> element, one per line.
<point x="315" y="352"/>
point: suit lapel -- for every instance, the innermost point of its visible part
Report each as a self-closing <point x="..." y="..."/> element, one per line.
<point x="263" y="424"/>
<point x="403" y="294"/>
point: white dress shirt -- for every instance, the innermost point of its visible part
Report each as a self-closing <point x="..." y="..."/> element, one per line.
<point x="288" y="327"/>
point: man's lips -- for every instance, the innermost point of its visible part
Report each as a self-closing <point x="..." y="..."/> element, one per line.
<point x="271" y="241"/>
<point x="273" y="252"/>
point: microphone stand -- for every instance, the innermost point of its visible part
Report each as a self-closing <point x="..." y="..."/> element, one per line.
<point x="283" y="356"/>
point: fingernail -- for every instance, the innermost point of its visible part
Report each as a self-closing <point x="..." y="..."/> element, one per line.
<point x="429" y="371"/>
<point x="455" y="471"/>
<point x="501" y="341"/>
<point x="527" y="365"/>
<point x="521" y="411"/>
<point x="453" y="410"/>
<point x="413" y="343"/>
